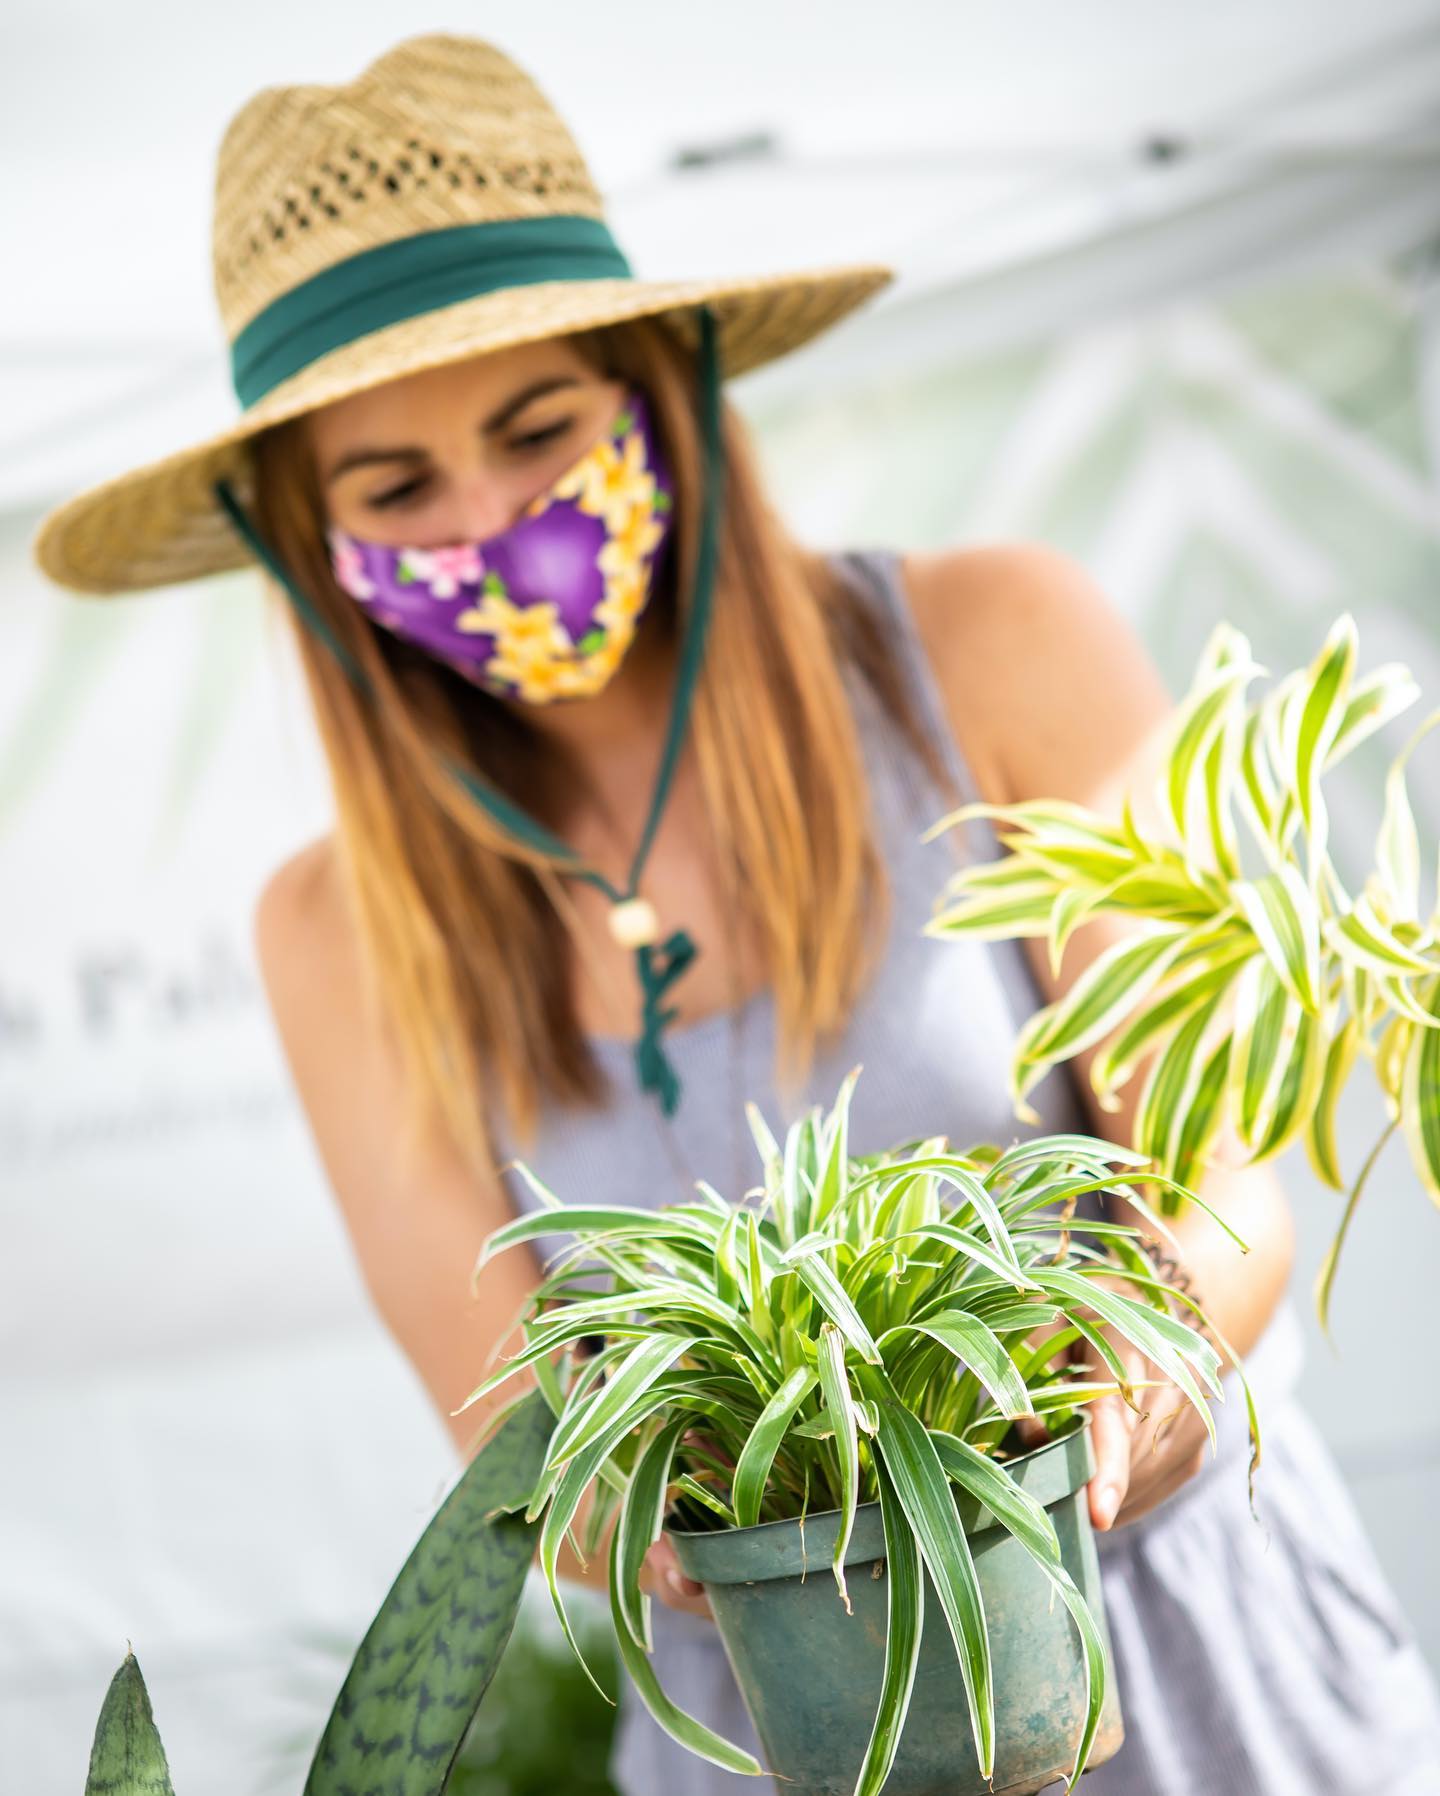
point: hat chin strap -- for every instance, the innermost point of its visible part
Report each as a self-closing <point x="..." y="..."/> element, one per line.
<point x="657" y="965"/>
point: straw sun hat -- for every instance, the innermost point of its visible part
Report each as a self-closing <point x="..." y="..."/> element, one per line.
<point x="433" y="209"/>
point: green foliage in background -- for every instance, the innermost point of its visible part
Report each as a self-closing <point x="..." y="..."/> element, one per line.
<point x="543" y="1727"/>
<point x="1253" y="978"/>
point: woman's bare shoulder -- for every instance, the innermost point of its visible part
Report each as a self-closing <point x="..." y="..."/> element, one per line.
<point x="1045" y="682"/>
<point x="300" y="911"/>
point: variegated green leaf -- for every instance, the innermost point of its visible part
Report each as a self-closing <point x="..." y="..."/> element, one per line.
<point x="976" y="1346"/>
<point x="904" y="1622"/>
<point x="924" y="1493"/>
<point x="1397" y="851"/>
<point x="1420" y="1096"/>
<point x="1374" y="700"/>
<point x="692" y="1734"/>
<point x="1114" y="982"/>
<point x="1285" y="919"/>
<point x="753" y="1466"/>
<point x="1320" y="1129"/>
<point x="1301" y="1069"/>
<point x="1171" y="1084"/>
<point x="579" y="1427"/>
<point x="835" y="1391"/>
<point x="1362" y="937"/>
<point x="1025" y="1520"/>
<point x="1115" y="1064"/>
<point x="1317" y="722"/>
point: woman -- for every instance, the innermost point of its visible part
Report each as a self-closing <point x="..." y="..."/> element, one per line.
<point x="629" y="793"/>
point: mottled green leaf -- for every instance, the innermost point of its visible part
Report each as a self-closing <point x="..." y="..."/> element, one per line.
<point x="126" y="1757"/>
<point x="429" y="1655"/>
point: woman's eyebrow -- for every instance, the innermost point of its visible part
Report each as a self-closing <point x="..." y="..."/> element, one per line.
<point x="552" y="383"/>
<point x="366" y="457"/>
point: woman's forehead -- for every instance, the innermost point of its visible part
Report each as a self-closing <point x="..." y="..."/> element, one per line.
<point x="480" y="386"/>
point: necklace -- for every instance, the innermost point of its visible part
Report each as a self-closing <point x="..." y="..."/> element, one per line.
<point x="736" y="1134"/>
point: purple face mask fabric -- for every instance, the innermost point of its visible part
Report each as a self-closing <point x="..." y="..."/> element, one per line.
<point x="546" y="609"/>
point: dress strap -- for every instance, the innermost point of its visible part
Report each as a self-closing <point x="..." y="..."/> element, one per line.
<point x="876" y="573"/>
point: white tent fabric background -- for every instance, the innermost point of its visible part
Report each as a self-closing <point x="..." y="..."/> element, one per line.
<point x="1213" y="378"/>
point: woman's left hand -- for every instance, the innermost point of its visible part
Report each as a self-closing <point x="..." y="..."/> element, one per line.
<point x="1142" y="1455"/>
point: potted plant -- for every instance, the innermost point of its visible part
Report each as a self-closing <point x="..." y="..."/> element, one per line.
<point x="1254" y="978"/>
<point x="828" y="1375"/>
<point x="815" y="1392"/>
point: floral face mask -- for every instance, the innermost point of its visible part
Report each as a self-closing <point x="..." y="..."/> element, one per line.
<point x="546" y="609"/>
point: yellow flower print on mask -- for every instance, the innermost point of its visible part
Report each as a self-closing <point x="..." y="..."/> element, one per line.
<point x="521" y="632"/>
<point x="637" y="538"/>
<point x="611" y="482"/>
<point x="624" y="600"/>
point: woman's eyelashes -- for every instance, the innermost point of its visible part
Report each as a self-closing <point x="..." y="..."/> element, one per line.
<point x="412" y="488"/>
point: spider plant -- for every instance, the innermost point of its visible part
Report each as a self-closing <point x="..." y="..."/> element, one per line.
<point x="1253" y="978"/>
<point x="860" y="1329"/>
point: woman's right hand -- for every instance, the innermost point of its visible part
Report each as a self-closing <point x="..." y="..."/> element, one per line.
<point x="663" y="1578"/>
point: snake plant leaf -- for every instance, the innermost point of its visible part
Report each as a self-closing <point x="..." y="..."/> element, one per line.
<point x="904" y="1624"/>
<point x="126" y="1757"/>
<point x="680" y="1726"/>
<point x="1285" y="918"/>
<point x="1420" y="1096"/>
<point x="924" y="1494"/>
<point x="1017" y="1511"/>
<point x="839" y="1406"/>
<point x="429" y="1655"/>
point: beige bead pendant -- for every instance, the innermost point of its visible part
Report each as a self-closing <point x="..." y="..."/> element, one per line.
<point x="633" y="923"/>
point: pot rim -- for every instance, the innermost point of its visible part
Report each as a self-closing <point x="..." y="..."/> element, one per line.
<point x="793" y="1548"/>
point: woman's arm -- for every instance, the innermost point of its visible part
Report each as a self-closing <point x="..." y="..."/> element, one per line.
<point x="1051" y="694"/>
<point x="416" y="1224"/>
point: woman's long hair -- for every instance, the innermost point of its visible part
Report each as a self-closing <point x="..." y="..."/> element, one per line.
<point x="462" y="942"/>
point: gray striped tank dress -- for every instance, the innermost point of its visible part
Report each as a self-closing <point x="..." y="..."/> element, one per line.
<point x="1263" y="1659"/>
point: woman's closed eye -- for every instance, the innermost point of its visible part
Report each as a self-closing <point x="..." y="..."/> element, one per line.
<point x="413" y="487"/>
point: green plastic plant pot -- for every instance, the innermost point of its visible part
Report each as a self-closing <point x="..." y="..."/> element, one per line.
<point x="810" y="1674"/>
